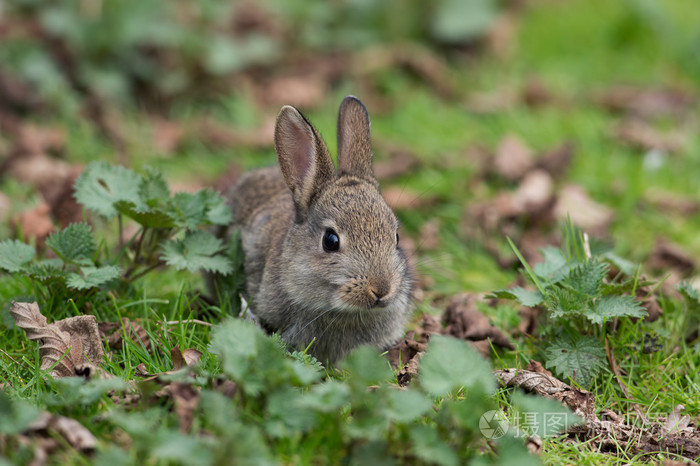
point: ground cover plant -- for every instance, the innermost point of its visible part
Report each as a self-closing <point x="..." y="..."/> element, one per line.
<point x="542" y="158"/>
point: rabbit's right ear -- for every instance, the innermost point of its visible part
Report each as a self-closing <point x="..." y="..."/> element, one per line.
<point x="305" y="162"/>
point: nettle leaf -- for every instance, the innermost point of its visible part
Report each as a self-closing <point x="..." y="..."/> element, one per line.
<point x="205" y="207"/>
<point x="366" y="366"/>
<point x="688" y="292"/>
<point x="149" y="217"/>
<point x="91" y="277"/>
<point x="14" y="254"/>
<point x="102" y="184"/>
<point x="612" y="306"/>
<point x="74" y="244"/>
<point x="629" y="268"/>
<point x="563" y="301"/>
<point x="587" y="278"/>
<point x="47" y="270"/>
<point x="198" y="250"/>
<point x="581" y="359"/>
<point x="525" y="297"/>
<point x="554" y="268"/>
<point x="154" y="190"/>
<point x="450" y="364"/>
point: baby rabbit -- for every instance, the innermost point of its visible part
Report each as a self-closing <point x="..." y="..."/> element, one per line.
<point x="322" y="255"/>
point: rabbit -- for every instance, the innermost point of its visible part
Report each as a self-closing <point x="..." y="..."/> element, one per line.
<point x="323" y="263"/>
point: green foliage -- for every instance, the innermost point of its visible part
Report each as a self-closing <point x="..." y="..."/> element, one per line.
<point x="198" y="250"/>
<point x="74" y="245"/>
<point x="14" y="254"/>
<point x="580" y="359"/>
<point x="576" y="291"/>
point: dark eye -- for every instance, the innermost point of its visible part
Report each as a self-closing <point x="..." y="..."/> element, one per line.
<point x="331" y="242"/>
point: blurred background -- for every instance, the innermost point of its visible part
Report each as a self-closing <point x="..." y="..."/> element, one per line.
<point x="490" y="118"/>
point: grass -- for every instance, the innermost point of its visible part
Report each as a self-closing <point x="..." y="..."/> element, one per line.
<point x="575" y="49"/>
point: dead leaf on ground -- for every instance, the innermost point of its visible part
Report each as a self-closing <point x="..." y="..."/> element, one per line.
<point x="167" y="136"/>
<point x="406" y="198"/>
<point x="667" y="255"/>
<point x="513" y="158"/>
<point x="575" y="203"/>
<point x="464" y="321"/>
<point x="647" y="102"/>
<point x="669" y="202"/>
<point x="189" y="357"/>
<point x="36" y="223"/>
<point x="73" y="343"/>
<point x="400" y="162"/>
<point x="429" y="235"/>
<point x="185" y="399"/>
<point x="74" y="433"/>
<point x="641" y="135"/>
<point x="219" y="134"/>
<point x="535" y="193"/>
<point x="112" y="334"/>
<point x="557" y="160"/>
<point x="536" y="93"/>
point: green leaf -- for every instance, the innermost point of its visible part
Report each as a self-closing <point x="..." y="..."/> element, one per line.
<point x="148" y="217"/>
<point x="74" y="244"/>
<point x="366" y="366"/>
<point x="612" y="306"/>
<point x="586" y="278"/>
<point x="629" y="268"/>
<point x="198" y="250"/>
<point x="541" y="416"/>
<point x="205" y="207"/>
<point x="101" y="185"/>
<point x="688" y="292"/>
<point x="14" y="254"/>
<point x="580" y="359"/>
<point x="16" y="415"/>
<point x="554" y="267"/>
<point x="565" y="301"/>
<point x="327" y="397"/>
<point x="525" y="297"/>
<point x="47" y="270"/>
<point x="428" y="446"/>
<point x="405" y="406"/>
<point x="154" y="190"/>
<point x="458" y="21"/>
<point x="450" y="364"/>
<point x="91" y="277"/>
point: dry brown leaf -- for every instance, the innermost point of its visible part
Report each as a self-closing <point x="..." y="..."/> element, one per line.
<point x="185" y="399"/>
<point x="536" y="94"/>
<point x="112" y="333"/>
<point x="464" y="321"/>
<point x="406" y="198"/>
<point x="574" y="202"/>
<point x="641" y="135"/>
<point x="73" y="342"/>
<point x="513" y="158"/>
<point x="667" y="255"/>
<point x="648" y="102"/>
<point x="36" y="223"/>
<point x="535" y="193"/>
<point x="71" y="430"/>
<point x="557" y="160"/>
<point x="167" y="136"/>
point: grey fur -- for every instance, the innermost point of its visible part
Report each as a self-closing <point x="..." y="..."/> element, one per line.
<point x="357" y="295"/>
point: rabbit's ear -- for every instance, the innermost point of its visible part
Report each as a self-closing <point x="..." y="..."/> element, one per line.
<point x="354" y="149"/>
<point x="303" y="158"/>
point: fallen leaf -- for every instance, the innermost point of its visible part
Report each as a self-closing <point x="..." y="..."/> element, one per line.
<point x="641" y="135"/>
<point x="675" y="422"/>
<point x="74" y="433"/>
<point x="647" y="102"/>
<point x="463" y="320"/>
<point x="557" y="160"/>
<point x="167" y="136"/>
<point x="400" y="162"/>
<point x="535" y="193"/>
<point x="185" y="399"/>
<point x="513" y="158"/>
<point x="536" y="93"/>
<point x="180" y="359"/>
<point x="575" y="203"/>
<point x="667" y="255"/>
<point x="36" y="224"/>
<point x="70" y="344"/>
<point x="112" y="334"/>
<point x="406" y="198"/>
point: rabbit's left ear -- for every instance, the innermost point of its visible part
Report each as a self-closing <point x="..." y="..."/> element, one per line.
<point x="354" y="148"/>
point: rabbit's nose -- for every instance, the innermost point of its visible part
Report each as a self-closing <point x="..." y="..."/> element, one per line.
<point x="378" y="292"/>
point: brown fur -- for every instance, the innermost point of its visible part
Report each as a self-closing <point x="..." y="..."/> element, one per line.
<point x="357" y="295"/>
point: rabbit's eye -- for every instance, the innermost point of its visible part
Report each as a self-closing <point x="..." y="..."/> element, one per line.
<point x="331" y="242"/>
